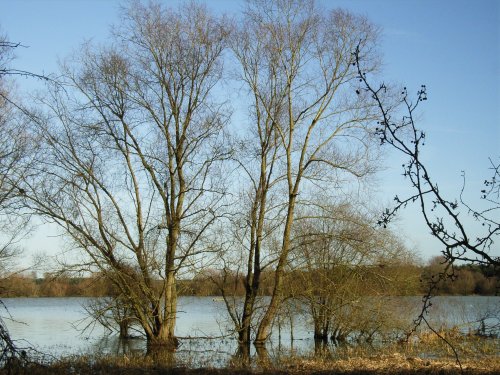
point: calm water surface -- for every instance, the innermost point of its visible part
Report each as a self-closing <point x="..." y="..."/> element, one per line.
<point x="54" y="325"/>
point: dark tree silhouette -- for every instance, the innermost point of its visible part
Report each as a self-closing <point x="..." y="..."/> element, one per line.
<point x="444" y="217"/>
<point x="441" y="214"/>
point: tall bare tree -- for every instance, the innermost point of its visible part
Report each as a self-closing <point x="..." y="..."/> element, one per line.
<point x="308" y="126"/>
<point x="258" y="154"/>
<point x="131" y="154"/>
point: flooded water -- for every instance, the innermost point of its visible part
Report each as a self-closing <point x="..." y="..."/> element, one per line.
<point x="54" y="326"/>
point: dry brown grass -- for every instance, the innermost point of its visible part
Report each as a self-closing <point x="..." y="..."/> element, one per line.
<point x="395" y="363"/>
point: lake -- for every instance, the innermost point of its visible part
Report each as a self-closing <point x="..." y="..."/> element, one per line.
<point x="54" y="326"/>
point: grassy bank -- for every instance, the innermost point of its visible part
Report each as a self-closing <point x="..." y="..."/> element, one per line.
<point x="395" y="363"/>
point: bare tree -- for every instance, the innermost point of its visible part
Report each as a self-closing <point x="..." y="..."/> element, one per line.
<point x="132" y="148"/>
<point x="308" y="127"/>
<point x="112" y="313"/>
<point x="319" y="124"/>
<point x="253" y="227"/>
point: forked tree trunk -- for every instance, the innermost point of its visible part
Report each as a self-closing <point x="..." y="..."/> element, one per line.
<point x="162" y="333"/>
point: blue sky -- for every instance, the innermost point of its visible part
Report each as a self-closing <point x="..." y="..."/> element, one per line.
<point x="451" y="46"/>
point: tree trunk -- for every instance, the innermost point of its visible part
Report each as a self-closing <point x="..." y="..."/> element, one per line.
<point x="165" y="323"/>
<point x="321" y="322"/>
<point x="253" y="269"/>
<point x="252" y="288"/>
<point x="162" y="330"/>
<point x="124" y="325"/>
<point x="264" y="329"/>
<point x="262" y="355"/>
<point x="171" y="303"/>
<point x="244" y="331"/>
<point x="320" y="347"/>
<point x="242" y="355"/>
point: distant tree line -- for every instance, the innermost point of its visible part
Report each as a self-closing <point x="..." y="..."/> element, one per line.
<point x="466" y="280"/>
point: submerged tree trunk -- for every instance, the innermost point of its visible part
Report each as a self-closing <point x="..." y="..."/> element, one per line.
<point x="124" y="326"/>
<point x="123" y="330"/>
<point x="320" y="315"/>
<point x="320" y="348"/>
<point x="252" y="281"/>
<point x="163" y="338"/>
<point x="251" y="285"/>
<point x="242" y="355"/>
<point x="163" y="334"/>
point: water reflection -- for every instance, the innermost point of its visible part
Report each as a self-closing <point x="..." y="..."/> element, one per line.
<point x="115" y="345"/>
